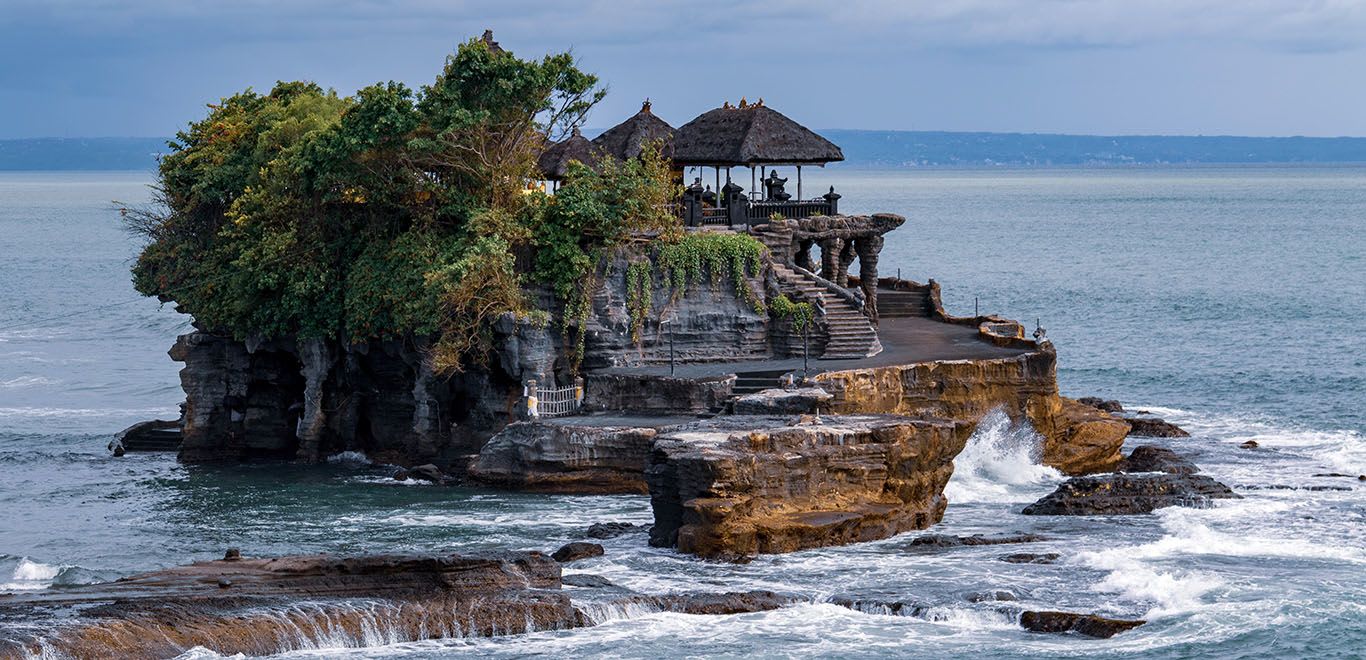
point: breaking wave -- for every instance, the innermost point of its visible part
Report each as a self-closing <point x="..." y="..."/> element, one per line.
<point x="1001" y="463"/>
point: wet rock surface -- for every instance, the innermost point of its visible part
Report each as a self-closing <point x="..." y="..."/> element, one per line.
<point x="1153" y="427"/>
<point x="1150" y="458"/>
<point x="1089" y="625"/>
<point x="1031" y="558"/>
<point x="577" y="550"/>
<point x="546" y="456"/>
<point x="951" y="541"/>
<point x="611" y="530"/>
<point x="1106" y="405"/>
<point x="736" y="486"/>
<point x="1128" y="494"/>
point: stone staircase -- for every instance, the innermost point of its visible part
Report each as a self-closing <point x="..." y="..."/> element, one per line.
<point x="851" y="333"/>
<point x="900" y="304"/>
<point x="749" y="382"/>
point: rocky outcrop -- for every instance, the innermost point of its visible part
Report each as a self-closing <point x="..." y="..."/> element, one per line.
<point x="1089" y="625"/>
<point x="610" y="530"/>
<point x="557" y="457"/>
<point x="783" y="402"/>
<point x="1153" y="427"/>
<point x="733" y="487"/>
<point x="575" y="551"/>
<point x="267" y="606"/>
<point x="1128" y="494"/>
<point x="259" y="607"/>
<point x="1104" y="405"/>
<point x="644" y="394"/>
<point x="1078" y="439"/>
<point x="1031" y="558"/>
<point x="1150" y="458"/>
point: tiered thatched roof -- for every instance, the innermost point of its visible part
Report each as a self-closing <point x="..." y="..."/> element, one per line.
<point x="554" y="161"/>
<point x="750" y="135"/>
<point x="625" y="140"/>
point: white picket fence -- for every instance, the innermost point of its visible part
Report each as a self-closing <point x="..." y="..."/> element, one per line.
<point x="553" y="401"/>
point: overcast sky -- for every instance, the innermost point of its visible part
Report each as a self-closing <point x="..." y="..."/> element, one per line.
<point x="1247" y="67"/>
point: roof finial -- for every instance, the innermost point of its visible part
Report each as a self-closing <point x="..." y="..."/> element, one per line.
<point x="743" y="102"/>
<point x="645" y="107"/>
<point x="760" y="104"/>
<point x="487" y="39"/>
<point x="726" y="105"/>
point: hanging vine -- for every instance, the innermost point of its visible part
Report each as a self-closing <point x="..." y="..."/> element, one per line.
<point x="800" y="313"/>
<point x="684" y="262"/>
<point x="639" y="292"/>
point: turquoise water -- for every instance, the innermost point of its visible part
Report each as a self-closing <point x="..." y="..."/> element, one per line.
<point x="1231" y="301"/>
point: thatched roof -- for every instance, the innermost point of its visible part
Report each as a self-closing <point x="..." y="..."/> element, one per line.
<point x="750" y="135"/>
<point x="554" y="161"/>
<point x="625" y="140"/>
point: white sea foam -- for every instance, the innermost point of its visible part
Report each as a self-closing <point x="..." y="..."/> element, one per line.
<point x="349" y="458"/>
<point x="1001" y="463"/>
<point x="26" y="381"/>
<point x="28" y="575"/>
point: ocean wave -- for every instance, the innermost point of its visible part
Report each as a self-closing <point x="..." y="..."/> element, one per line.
<point x="1001" y="463"/>
<point x="1337" y="450"/>
<point x="27" y="381"/>
<point x="25" y="574"/>
<point x="30" y="412"/>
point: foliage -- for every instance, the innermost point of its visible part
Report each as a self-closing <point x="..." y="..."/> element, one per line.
<point x="683" y="262"/>
<point x="800" y="313"/>
<point x="639" y="295"/>
<point x="593" y="211"/>
<point x="379" y="215"/>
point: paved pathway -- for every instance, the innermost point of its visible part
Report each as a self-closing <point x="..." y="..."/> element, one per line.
<point x="904" y="341"/>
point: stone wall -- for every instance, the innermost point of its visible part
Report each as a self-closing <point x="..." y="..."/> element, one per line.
<point x="648" y="394"/>
<point x="553" y="457"/>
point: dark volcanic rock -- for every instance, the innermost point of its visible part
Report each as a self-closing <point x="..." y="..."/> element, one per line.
<point x="950" y="541"/>
<point x="783" y="402"/>
<point x="1150" y="458"/>
<point x="882" y="607"/>
<point x="1152" y="427"/>
<point x="1250" y="444"/>
<point x="1031" y="558"/>
<point x="609" y="530"/>
<point x="1128" y="494"/>
<point x="427" y="472"/>
<point x="1107" y="405"/>
<point x="1082" y="624"/>
<point x="989" y="596"/>
<point x="576" y="551"/>
<point x="587" y="581"/>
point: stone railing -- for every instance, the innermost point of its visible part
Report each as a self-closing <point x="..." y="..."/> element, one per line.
<point x="851" y="296"/>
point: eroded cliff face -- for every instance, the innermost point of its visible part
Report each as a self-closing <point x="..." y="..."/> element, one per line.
<point x="557" y="457"/>
<point x="1078" y="439"/>
<point x="737" y="486"/>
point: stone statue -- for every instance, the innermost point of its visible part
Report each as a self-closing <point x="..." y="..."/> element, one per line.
<point x="773" y="188"/>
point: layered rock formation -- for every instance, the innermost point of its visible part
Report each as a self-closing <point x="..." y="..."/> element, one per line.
<point x="1128" y="494"/>
<point x="732" y="487"/>
<point x="551" y="456"/>
<point x="1078" y="439"/>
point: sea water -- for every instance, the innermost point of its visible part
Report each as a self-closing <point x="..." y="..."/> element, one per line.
<point x="1231" y="301"/>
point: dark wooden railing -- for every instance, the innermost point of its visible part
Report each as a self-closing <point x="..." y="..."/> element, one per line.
<point x="735" y="208"/>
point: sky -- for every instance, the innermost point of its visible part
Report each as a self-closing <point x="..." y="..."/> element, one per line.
<point x="79" y="68"/>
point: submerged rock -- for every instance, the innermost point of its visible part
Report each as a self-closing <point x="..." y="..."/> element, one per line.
<point x="950" y="541"/>
<point x="587" y="581"/>
<point x="1128" y="494"/>
<point x="1031" y="558"/>
<point x="609" y="530"/>
<point x="1152" y="427"/>
<point x="576" y="551"/>
<point x="1250" y="444"/>
<point x="1089" y="625"/>
<point x="989" y="596"/>
<point x="427" y="472"/>
<point x="736" y="486"/>
<point x="1150" y="458"/>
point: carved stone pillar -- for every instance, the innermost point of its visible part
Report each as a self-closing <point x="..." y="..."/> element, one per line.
<point x="830" y="257"/>
<point x="846" y="258"/>
<point x="868" y="249"/>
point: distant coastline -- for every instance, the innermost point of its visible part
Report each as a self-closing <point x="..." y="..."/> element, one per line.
<point x="863" y="149"/>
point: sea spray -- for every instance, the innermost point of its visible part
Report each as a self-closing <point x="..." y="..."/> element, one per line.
<point x="1001" y="463"/>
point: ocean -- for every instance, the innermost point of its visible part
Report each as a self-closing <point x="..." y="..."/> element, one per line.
<point x="1229" y="300"/>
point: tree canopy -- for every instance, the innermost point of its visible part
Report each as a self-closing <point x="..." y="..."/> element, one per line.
<point x="390" y="212"/>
